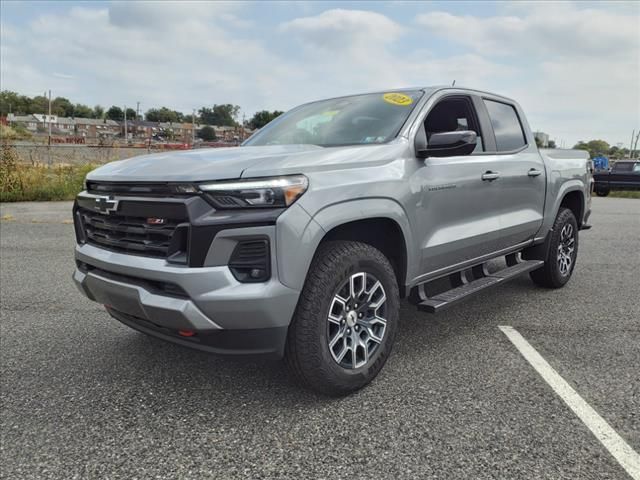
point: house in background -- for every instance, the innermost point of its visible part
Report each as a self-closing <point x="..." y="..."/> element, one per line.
<point x="542" y="138"/>
<point x="64" y="126"/>
<point x="30" y="122"/>
<point x="96" y="128"/>
<point x="140" y="129"/>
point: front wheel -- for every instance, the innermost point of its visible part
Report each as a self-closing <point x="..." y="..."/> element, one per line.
<point x="346" y="319"/>
<point x="602" y="193"/>
<point x="562" y="254"/>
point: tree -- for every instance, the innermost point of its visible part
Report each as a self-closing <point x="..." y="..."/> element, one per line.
<point x="167" y="134"/>
<point x="12" y="102"/>
<point x="594" y="147"/>
<point x="552" y="144"/>
<point x="207" y="133"/>
<point x="260" y="119"/>
<point x="38" y="104"/>
<point x="538" y="142"/>
<point x="115" y="113"/>
<point x="615" y="152"/>
<point x="220" y="115"/>
<point x="163" y="114"/>
<point x="131" y="114"/>
<point x="82" y="111"/>
<point x="61" y="107"/>
<point x="98" y="112"/>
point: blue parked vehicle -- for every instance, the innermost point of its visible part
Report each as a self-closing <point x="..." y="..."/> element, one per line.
<point x="600" y="163"/>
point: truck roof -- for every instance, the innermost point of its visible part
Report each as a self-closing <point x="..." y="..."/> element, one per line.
<point x="428" y="90"/>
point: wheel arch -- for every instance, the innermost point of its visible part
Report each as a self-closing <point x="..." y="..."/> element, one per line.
<point x="381" y="233"/>
<point x="574" y="201"/>
<point x="570" y="194"/>
<point x="380" y="222"/>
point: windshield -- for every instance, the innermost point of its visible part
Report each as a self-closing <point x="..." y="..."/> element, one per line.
<point x="356" y="120"/>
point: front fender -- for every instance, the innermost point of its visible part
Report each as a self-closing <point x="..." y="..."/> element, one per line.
<point x="296" y="246"/>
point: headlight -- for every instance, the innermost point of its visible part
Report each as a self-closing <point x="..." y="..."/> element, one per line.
<point x="276" y="192"/>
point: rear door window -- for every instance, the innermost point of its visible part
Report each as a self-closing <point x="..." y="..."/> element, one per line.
<point x="506" y="126"/>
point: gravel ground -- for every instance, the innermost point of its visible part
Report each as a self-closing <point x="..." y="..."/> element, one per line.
<point x="85" y="397"/>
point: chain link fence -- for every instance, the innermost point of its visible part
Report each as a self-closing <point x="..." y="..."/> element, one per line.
<point x="39" y="154"/>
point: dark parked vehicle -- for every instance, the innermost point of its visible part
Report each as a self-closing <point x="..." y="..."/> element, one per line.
<point x="625" y="175"/>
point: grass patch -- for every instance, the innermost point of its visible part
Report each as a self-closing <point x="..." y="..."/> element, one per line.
<point x="22" y="183"/>
<point x="625" y="194"/>
<point x="17" y="132"/>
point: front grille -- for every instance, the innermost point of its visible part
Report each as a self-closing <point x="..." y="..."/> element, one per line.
<point x="127" y="234"/>
<point x="157" y="189"/>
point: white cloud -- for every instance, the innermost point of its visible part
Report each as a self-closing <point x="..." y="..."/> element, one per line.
<point x="179" y="55"/>
<point x="553" y="28"/>
<point x="338" y="28"/>
<point x="153" y="15"/>
<point x="575" y="70"/>
<point x="579" y="68"/>
<point x="354" y="50"/>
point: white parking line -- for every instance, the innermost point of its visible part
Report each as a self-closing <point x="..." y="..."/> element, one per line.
<point x="614" y="443"/>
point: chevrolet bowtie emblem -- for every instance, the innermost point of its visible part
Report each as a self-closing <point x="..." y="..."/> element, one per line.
<point x="105" y="205"/>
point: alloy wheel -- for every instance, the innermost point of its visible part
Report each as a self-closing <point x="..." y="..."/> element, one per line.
<point x="566" y="249"/>
<point x="357" y="320"/>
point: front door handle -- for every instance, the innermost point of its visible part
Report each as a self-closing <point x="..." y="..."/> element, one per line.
<point x="534" y="172"/>
<point x="490" y="176"/>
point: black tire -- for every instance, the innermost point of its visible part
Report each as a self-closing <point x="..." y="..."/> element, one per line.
<point x="602" y="193"/>
<point x="551" y="274"/>
<point x="307" y="351"/>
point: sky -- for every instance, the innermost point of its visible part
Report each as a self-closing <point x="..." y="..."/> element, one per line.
<point x="574" y="67"/>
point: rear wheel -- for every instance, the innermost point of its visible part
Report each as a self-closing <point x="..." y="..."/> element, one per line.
<point x="562" y="254"/>
<point x="346" y="319"/>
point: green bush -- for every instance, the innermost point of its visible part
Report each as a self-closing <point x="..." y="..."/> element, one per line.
<point x="21" y="183"/>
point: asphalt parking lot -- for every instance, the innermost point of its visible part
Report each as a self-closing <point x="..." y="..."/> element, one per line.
<point x="85" y="397"/>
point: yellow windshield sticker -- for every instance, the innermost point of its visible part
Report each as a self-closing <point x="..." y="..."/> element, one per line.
<point x="330" y="113"/>
<point x="397" y="99"/>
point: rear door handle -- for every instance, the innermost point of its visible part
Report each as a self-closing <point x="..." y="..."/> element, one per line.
<point x="490" y="176"/>
<point x="534" y="172"/>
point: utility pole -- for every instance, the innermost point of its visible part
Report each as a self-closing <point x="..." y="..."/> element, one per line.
<point x="49" y="142"/>
<point x="635" y="145"/>
<point x="633" y="134"/>
<point x="126" y="135"/>
<point x="193" y="129"/>
<point x="137" y="110"/>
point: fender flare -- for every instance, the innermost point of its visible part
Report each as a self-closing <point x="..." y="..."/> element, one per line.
<point x="293" y="274"/>
<point x="569" y="186"/>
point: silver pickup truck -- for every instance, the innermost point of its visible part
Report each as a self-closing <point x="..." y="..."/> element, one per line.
<point x="303" y="241"/>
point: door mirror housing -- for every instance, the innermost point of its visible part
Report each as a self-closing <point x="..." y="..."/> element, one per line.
<point x="445" y="144"/>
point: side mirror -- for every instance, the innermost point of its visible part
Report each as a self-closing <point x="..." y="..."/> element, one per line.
<point x="445" y="144"/>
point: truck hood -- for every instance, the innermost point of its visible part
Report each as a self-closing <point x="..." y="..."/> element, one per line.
<point x="236" y="162"/>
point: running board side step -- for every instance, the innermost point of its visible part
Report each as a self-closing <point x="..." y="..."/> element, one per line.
<point x="444" y="300"/>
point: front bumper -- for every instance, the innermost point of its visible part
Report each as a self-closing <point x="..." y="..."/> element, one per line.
<point x="153" y="296"/>
<point x="238" y="342"/>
